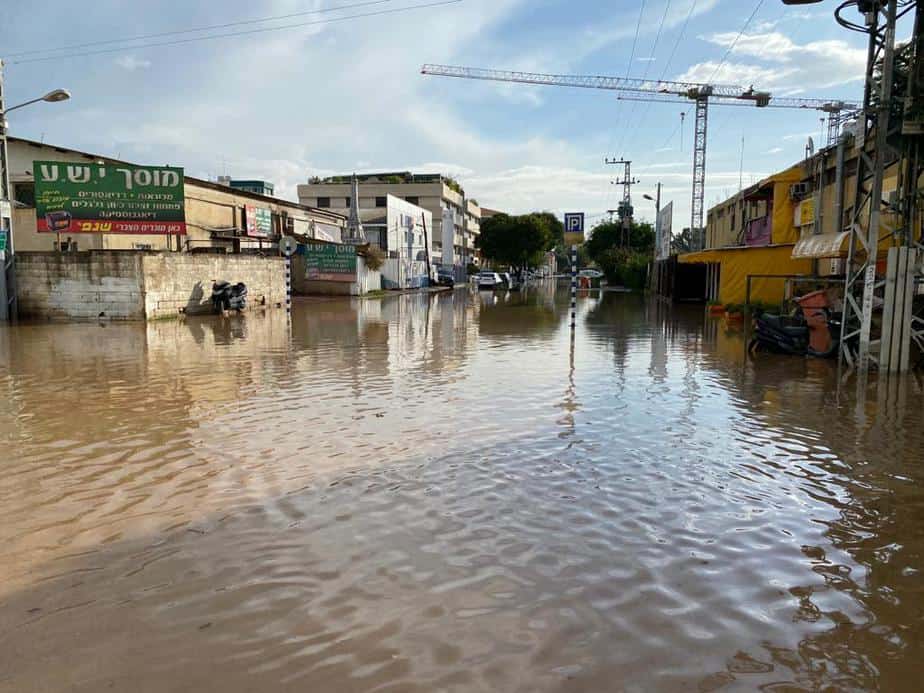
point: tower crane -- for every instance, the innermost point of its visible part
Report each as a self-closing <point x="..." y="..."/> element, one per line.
<point x="669" y="92"/>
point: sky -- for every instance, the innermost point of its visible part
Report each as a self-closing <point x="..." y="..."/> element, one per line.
<point x="332" y="97"/>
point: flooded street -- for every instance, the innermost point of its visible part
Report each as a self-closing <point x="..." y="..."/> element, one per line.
<point x="436" y="493"/>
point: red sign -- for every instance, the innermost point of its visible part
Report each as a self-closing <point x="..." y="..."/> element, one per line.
<point x="60" y="222"/>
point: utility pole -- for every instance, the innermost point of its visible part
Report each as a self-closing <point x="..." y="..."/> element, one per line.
<point x="625" y="207"/>
<point x="7" y="276"/>
<point x="874" y="124"/>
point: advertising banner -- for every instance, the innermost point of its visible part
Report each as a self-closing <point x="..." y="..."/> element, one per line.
<point x="330" y="262"/>
<point x="85" y="197"/>
<point x="259" y="222"/>
<point x="664" y="230"/>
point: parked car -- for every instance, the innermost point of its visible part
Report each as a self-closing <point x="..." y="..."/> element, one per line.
<point x="444" y="278"/>
<point x="489" y="281"/>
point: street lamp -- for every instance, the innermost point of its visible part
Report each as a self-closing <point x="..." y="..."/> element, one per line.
<point x="7" y="276"/>
<point x="54" y="96"/>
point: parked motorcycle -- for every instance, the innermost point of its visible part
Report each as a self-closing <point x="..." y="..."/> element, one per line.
<point x="813" y="330"/>
<point x="228" y="296"/>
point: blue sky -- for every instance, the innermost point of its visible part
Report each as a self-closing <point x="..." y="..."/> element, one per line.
<point x="338" y="97"/>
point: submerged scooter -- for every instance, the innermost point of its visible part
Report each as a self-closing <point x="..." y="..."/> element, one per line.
<point x="228" y="296"/>
<point x="813" y="330"/>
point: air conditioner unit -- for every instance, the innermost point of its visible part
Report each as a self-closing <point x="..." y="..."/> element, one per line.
<point x="798" y="190"/>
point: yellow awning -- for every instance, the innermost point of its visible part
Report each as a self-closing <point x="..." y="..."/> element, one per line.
<point x="698" y="258"/>
<point x="820" y="245"/>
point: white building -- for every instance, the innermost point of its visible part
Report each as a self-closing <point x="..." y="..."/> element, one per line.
<point x="405" y="234"/>
<point x="456" y="219"/>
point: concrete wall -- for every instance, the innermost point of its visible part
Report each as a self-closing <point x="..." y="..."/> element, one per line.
<point x="180" y="282"/>
<point x="134" y="285"/>
<point x="80" y="286"/>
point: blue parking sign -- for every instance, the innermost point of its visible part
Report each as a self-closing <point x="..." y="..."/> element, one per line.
<point x="574" y="228"/>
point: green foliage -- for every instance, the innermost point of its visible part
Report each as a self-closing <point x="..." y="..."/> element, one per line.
<point x="623" y="265"/>
<point x="394" y="179"/>
<point x="373" y="256"/>
<point x="683" y="242"/>
<point x="610" y="234"/>
<point x="518" y="241"/>
<point x="453" y="185"/>
<point x="314" y="180"/>
<point x="471" y="268"/>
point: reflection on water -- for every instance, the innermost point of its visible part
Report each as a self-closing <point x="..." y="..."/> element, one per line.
<point x="445" y="492"/>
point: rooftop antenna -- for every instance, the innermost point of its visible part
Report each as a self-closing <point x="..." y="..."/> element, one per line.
<point x="741" y="167"/>
<point x="682" y="116"/>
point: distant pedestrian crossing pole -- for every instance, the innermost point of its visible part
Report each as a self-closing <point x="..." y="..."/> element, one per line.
<point x="573" y="286"/>
<point x="574" y="236"/>
<point x="288" y="246"/>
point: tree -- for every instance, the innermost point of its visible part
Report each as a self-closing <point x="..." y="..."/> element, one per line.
<point x="609" y="234"/>
<point x="622" y="264"/>
<point x="518" y="241"/>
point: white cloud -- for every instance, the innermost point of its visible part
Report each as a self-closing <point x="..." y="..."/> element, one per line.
<point x="131" y="63"/>
<point x="784" y="64"/>
<point x="774" y="150"/>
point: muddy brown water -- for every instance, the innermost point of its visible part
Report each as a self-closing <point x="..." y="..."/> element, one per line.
<point x="436" y="493"/>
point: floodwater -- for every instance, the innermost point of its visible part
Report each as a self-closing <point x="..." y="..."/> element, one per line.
<point x="441" y="493"/>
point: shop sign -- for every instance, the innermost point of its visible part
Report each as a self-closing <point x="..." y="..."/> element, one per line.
<point x="81" y="197"/>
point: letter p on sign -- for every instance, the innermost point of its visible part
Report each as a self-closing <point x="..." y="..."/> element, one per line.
<point x="574" y="228"/>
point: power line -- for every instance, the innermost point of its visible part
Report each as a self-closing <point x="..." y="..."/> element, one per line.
<point x="142" y="37"/>
<point x="638" y="26"/>
<point x="679" y="39"/>
<point x="654" y="50"/>
<point x="235" y="33"/>
<point x="735" y="42"/>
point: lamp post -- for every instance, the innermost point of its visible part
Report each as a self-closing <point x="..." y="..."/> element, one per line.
<point x="7" y="269"/>
<point x="657" y="200"/>
<point x="655" y="277"/>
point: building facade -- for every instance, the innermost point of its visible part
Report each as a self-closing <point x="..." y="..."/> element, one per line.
<point x="453" y="236"/>
<point x="791" y="225"/>
<point x="405" y="235"/>
<point x="219" y="218"/>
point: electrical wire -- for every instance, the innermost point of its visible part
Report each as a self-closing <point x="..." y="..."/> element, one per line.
<point x="235" y="33"/>
<point x="667" y="66"/>
<point x="177" y="32"/>
<point x="734" y="43"/>
<point x="638" y="27"/>
<point x="654" y="50"/>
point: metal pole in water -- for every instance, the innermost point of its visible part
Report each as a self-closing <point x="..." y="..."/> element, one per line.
<point x="573" y="286"/>
<point x="288" y="286"/>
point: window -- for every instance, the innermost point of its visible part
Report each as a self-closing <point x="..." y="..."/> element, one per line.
<point x="323" y="202"/>
<point x="346" y="202"/>
<point x="24" y="193"/>
<point x="380" y="202"/>
<point x="413" y="199"/>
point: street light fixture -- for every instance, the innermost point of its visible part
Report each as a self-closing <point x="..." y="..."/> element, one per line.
<point x="54" y="96"/>
<point x="648" y="197"/>
<point x="7" y="277"/>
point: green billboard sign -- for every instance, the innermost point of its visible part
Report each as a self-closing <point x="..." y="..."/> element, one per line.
<point x="81" y="197"/>
<point x="330" y="262"/>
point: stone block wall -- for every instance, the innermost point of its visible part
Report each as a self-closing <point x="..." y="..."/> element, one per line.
<point x="137" y="285"/>
<point x="52" y="285"/>
<point x="182" y="283"/>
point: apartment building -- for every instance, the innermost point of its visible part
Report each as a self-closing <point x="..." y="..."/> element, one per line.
<point x="456" y="220"/>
